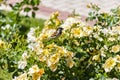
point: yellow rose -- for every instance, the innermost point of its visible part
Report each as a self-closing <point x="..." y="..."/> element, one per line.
<point x="43" y="58"/>
<point x="115" y="48"/>
<point x="37" y="75"/>
<point x="2" y="44"/>
<point x="57" y="21"/>
<point x="109" y="64"/>
<point x="96" y="57"/>
<point x="53" y="67"/>
<point x="70" y="62"/>
<point x="53" y="59"/>
<point x="46" y="52"/>
<point x="33" y="69"/>
<point x="87" y="30"/>
<point x="35" y="72"/>
<point x="41" y="72"/>
<point x="62" y="51"/>
<point x="77" y="32"/>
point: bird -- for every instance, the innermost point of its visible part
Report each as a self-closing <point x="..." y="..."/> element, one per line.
<point x="57" y="33"/>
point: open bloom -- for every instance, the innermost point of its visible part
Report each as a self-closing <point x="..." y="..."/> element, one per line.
<point x="61" y="50"/>
<point x="53" y="67"/>
<point x="77" y="32"/>
<point x="46" y="33"/>
<point x="88" y="30"/>
<point x="2" y="44"/>
<point x="96" y="57"/>
<point x="36" y="76"/>
<point x="35" y="72"/>
<point x="109" y="64"/>
<point x="70" y="21"/>
<point x="115" y="48"/>
<point x="22" y="64"/>
<point x="33" y="69"/>
<point x="70" y="62"/>
<point x="53" y="59"/>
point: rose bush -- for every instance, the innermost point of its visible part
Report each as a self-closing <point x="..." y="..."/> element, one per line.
<point x="80" y="52"/>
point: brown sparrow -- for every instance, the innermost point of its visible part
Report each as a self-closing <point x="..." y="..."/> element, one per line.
<point x="57" y="33"/>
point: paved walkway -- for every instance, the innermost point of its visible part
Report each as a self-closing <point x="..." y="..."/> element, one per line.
<point x="80" y="5"/>
<point x="65" y="7"/>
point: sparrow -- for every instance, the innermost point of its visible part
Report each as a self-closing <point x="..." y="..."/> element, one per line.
<point x="57" y="33"/>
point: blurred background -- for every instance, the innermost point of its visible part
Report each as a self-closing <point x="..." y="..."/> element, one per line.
<point x="66" y="7"/>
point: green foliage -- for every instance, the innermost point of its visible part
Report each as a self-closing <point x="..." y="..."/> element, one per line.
<point x="26" y="6"/>
<point x="4" y="75"/>
<point x="102" y="18"/>
<point x="13" y="33"/>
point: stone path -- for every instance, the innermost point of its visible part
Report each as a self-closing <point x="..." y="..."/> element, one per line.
<point x="65" y="7"/>
<point x="80" y="5"/>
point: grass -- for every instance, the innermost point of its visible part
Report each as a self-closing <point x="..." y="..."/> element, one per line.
<point x="25" y="21"/>
<point x="4" y="75"/>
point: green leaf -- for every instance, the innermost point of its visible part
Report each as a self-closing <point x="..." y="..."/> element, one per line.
<point x="26" y="1"/>
<point x="11" y="5"/>
<point x="35" y="8"/>
<point x="17" y="6"/>
<point x="33" y="14"/>
<point x="27" y="9"/>
<point x="35" y="2"/>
